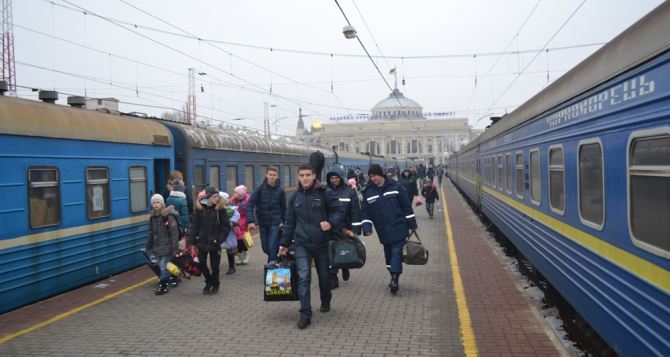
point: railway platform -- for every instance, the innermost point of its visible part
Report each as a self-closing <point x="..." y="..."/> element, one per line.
<point x="464" y="302"/>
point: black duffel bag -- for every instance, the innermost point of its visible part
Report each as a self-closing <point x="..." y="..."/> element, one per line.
<point x="414" y="253"/>
<point x="347" y="253"/>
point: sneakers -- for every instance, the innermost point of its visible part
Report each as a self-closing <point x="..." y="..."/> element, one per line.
<point x="174" y="282"/>
<point x="303" y="323"/>
<point x="325" y="307"/>
<point x="231" y="270"/>
<point x="162" y="288"/>
<point x="345" y="274"/>
<point x="213" y="290"/>
<point x="244" y="257"/>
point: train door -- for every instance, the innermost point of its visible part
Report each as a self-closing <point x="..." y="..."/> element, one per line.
<point x="478" y="183"/>
<point x="161" y="174"/>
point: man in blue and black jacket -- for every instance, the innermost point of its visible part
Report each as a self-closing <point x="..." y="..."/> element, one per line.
<point x="386" y="205"/>
<point x="312" y="213"/>
<point x="266" y="208"/>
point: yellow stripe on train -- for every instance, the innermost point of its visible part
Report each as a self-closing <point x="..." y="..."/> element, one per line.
<point x="646" y="270"/>
<point x="68" y="232"/>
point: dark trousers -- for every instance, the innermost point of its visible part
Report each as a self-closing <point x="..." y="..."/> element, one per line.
<point x="303" y="260"/>
<point x="214" y="261"/>
<point x="393" y="255"/>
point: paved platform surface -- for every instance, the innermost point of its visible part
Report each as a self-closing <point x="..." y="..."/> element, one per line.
<point x="122" y="317"/>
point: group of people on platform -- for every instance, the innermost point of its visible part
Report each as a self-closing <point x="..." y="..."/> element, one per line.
<point x="312" y="216"/>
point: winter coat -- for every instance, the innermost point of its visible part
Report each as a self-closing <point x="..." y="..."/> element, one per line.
<point x="409" y="184"/>
<point x="270" y="204"/>
<point x="163" y="232"/>
<point x="165" y="192"/>
<point x="178" y="200"/>
<point x="389" y="210"/>
<point x="349" y="199"/>
<point x="210" y="227"/>
<point x="430" y="193"/>
<point x="305" y="211"/>
<point x="430" y="173"/>
<point x="242" y="225"/>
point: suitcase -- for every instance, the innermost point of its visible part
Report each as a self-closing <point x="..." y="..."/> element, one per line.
<point x="152" y="262"/>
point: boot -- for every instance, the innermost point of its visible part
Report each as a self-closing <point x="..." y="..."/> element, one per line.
<point x="213" y="290"/>
<point x="245" y="258"/>
<point x="345" y="274"/>
<point x="394" y="283"/>
<point x="174" y="282"/>
<point x="334" y="282"/>
<point x="162" y="288"/>
<point x="231" y="270"/>
<point x="207" y="289"/>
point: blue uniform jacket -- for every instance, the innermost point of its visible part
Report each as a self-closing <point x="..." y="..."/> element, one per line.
<point x="269" y="203"/>
<point x="349" y="199"/>
<point x="304" y="214"/>
<point x="389" y="209"/>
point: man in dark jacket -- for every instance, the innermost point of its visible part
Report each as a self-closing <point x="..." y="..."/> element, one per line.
<point x="352" y="215"/>
<point x="386" y="205"/>
<point x="312" y="213"/>
<point x="209" y="229"/>
<point x="269" y="201"/>
<point x="408" y="182"/>
<point x="429" y="192"/>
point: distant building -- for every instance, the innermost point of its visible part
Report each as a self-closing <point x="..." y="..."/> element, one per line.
<point x="397" y="128"/>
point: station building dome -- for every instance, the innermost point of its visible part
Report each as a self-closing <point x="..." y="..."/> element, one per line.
<point x="396" y="106"/>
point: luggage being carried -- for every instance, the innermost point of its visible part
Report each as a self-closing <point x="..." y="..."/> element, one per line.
<point x="414" y="253"/>
<point x="187" y="261"/>
<point x="347" y="253"/>
<point x="152" y="262"/>
<point x="281" y="281"/>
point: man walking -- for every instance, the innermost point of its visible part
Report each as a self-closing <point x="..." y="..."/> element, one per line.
<point x="269" y="201"/>
<point x="386" y="205"/>
<point x="312" y="213"/>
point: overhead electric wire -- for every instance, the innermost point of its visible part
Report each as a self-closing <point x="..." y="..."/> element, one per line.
<point x="374" y="40"/>
<point x="538" y="53"/>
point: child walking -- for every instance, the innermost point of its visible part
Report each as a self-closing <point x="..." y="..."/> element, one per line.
<point x="163" y="238"/>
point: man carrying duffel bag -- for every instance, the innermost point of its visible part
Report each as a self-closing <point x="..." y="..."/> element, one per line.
<point x="385" y="204"/>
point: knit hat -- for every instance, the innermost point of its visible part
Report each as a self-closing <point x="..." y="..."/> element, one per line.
<point x="223" y="195"/>
<point x="178" y="185"/>
<point x="241" y="190"/>
<point x="352" y="182"/>
<point x="375" y="169"/>
<point x="157" y="198"/>
<point x="211" y="191"/>
<point x="201" y="194"/>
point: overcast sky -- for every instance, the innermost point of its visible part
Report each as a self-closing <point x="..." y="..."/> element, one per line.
<point x="103" y="54"/>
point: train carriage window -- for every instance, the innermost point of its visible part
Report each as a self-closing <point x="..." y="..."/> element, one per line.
<point x="286" y="176"/>
<point x="591" y="187"/>
<point x="535" y="187"/>
<point x="214" y="177"/>
<point x="519" y="174"/>
<point x="500" y="173"/>
<point x="231" y="178"/>
<point x="249" y="177"/>
<point x="508" y="167"/>
<point x="138" y="188"/>
<point x="44" y="196"/>
<point x="556" y="180"/>
<point x="199" y="177"/>
<point x="649" y="192"/>
<point x="97" y="192"/>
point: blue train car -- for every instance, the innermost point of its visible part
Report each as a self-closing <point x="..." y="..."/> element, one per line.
<point x="75" y="190"/>
<point x="578" y="178"/>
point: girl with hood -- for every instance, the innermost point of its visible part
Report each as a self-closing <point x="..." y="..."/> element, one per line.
<point x="209" y="229"/>
<point x="163" y="237"/>
<point x="240" y="199"/>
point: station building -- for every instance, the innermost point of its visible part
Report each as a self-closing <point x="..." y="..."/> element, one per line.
<point x="397" y="128"/>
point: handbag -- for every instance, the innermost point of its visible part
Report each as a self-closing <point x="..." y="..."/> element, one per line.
<point x="248" y="241"/>
<point x="414" y="253"/>
<point x="230" y="242"/>
<point x="346" y="253"/>
<point x="281" y="281"/>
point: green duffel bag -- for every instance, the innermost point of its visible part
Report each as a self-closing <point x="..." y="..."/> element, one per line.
<point x="347" y="253"/>
<point x="414" y="253"/>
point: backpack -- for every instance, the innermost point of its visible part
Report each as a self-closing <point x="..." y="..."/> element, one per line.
<point x="175" y="215"/>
